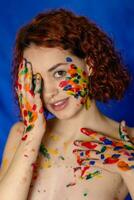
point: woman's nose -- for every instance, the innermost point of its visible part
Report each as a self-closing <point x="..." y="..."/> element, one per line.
<point x="50" y="91"/>
<point x="51" y="94"/>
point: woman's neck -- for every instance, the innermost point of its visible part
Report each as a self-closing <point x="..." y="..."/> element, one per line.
<point x="91" y="118"/>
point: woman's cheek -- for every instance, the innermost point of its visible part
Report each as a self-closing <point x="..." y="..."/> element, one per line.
<point x="76" y="83"/>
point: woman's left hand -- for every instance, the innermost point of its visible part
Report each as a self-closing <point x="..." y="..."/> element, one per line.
<point x="105" y="152"/>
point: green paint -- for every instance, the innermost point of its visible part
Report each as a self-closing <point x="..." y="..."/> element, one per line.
<point x="103" y="149"/>
<point x="29" y="128"/>
<point x="85" y="194"/>
<point x="61" y="157"/>
<point x="91" y="175"/>
<point x="44" y="151"/>
<point x="129" y="147"/>
<point x="24" y="71"/>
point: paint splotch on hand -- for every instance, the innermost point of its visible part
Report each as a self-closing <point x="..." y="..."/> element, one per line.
<point x="103" y="151"/>
<point x="27" y="95"/>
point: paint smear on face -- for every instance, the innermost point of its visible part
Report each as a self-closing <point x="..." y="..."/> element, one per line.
<point x="77" y="84"/>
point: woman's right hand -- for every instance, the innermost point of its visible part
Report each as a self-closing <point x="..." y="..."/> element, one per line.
<point x="29" y="89"/>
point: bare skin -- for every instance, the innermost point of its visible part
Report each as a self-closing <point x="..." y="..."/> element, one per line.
<point x="52" y="178"/>
<point x="53" y="174"/>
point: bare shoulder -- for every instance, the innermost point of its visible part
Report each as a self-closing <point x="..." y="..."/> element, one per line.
<point x="12" y="143"/>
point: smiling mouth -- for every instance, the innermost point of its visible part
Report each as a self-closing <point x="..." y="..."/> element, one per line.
<point x="60" y="105"/>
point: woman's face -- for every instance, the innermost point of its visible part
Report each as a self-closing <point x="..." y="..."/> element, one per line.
<point x="65" y="79"/>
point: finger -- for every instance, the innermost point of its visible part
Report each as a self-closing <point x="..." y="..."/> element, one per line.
<point x="37" y="91"/>
<point x="37" y="84"/>
<point x="28" y="76"/>
<point x="20" y="83"/>
<point x="85" y="144"/>
<point x="107" y="141"/>
<point x="85" y="154"/>
<point x="21" y="74"/>
<point x="98" y="136"/>
<point x="92" y="146"/>
<point x="123" y="133"/>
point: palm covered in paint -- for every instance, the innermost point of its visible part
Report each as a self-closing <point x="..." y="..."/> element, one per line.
<point x="28" y="91"/>
<point x="105" y="152"/>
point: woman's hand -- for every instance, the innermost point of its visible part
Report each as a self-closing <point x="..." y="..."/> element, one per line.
<point x="29" y="91"/>
<point x="104" y="152"/>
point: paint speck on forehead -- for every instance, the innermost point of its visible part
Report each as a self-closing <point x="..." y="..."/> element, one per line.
<point x="69" y="59"/>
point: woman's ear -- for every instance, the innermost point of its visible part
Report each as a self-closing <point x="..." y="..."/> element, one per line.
<point x="89" y="66"/>
<point x="89" y="70"/>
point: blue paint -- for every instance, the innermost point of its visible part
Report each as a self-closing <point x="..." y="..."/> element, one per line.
<point x="107" y="142"/>
<point x="68" y="59"/>
<point x="92" y="162"/>
<point x="116" y="155"/>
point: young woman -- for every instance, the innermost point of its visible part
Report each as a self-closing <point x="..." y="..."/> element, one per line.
<point x="62" y="64"/>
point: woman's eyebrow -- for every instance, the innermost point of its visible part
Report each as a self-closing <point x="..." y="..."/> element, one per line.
<point x="56" y="65"/>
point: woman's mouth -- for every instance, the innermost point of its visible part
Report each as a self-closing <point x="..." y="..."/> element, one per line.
<point x="60" y="105"/>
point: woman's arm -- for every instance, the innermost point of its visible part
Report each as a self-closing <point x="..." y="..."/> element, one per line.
<point x="16" y="181"/>
<point x="15" y="176"/>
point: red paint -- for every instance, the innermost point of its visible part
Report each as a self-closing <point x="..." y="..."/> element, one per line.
<point x="102" y="139"/>
<point x="84" y="170"/>
<point x="31" y="92"/>
<point x="34" y="107"/>
<point x="84" y="73"/>
<point x="111" y="160"/>
<point x="24" y="137"/>
<point x="41" y="110"/>
<point x="25" y="113"/>
<point x="89" y="145"/>
<point x="72" y="66"/>
<point x="87" y="132"/>
<point x="87" y="153"/>
<point x="63" y="83"/>
<point x="34" y="166"/>
<point x="25" y="122"/>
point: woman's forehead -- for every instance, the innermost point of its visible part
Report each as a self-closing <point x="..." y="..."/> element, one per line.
<point x="45" y="52"/>
<point x="44" y="58"/>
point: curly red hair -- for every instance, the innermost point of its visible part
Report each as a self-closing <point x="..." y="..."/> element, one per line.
<point x="62" y="28"/>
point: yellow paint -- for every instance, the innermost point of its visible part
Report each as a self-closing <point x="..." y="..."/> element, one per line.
<point x="88" y="103"/>
<point x="53" y="151"/>
<point x="5" y="163"/>
<point x="46" y="164"/>
<point x="55" y="137"/>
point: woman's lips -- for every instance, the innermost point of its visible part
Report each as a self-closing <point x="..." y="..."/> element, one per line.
<point x="60" y="105"/>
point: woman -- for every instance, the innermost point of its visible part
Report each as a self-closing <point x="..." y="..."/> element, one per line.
<point x="62" y="64"/>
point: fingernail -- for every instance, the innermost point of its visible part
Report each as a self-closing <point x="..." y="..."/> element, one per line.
<point x="38" y="76"/>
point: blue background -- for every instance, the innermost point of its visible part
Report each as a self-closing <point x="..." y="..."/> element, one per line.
<point x="115" y="17"/>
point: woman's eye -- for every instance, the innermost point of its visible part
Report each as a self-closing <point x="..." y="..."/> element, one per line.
<point x="59" y="74"/>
